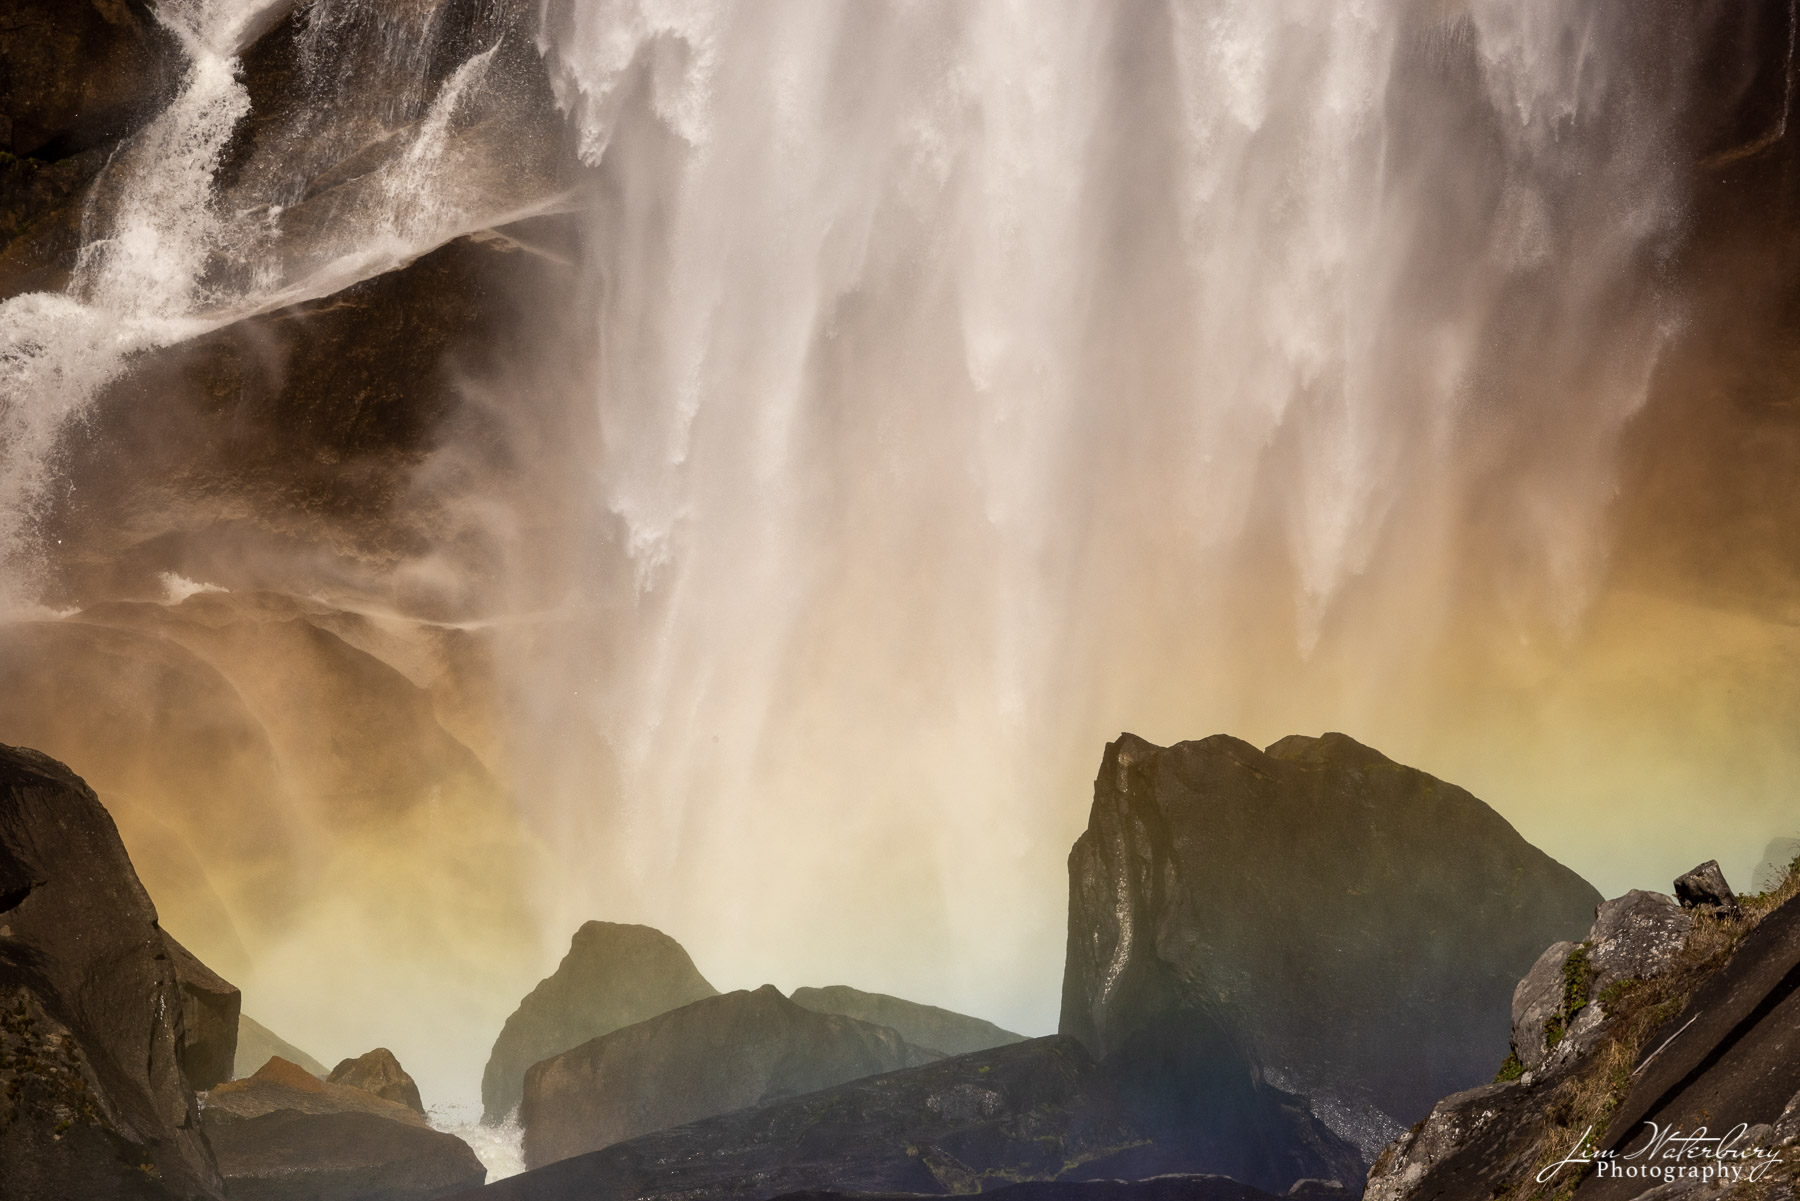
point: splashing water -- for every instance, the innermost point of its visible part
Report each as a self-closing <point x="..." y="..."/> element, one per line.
<point x="943" y="387"/>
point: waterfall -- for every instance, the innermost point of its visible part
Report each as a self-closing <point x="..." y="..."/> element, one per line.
<point x="970" y="381"/>
<point x="940" y="387"/>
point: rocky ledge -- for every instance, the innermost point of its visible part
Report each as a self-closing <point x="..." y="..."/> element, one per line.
<point x="1665" y="1018"/>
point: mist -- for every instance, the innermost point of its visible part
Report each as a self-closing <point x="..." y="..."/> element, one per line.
<point x="877" y="409"/>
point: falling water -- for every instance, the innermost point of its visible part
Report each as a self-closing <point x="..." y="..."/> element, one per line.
<point x="972" y="381"/>
<point x="940" y="388"/>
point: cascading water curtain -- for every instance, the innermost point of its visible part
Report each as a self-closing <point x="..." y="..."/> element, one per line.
<point x="970" y="381"/>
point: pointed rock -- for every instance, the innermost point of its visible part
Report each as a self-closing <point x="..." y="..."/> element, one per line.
<point x="613" y="976"/>
<point x="380" y="1073"/>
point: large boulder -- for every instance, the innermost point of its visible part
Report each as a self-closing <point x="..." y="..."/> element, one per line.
<point x="210" y="1007"/>
<point x="1360" y="925"/>
<point x="380" y="1073"/>
<point x="926" y="1026"/>
<point x="613" y="976"/>
<point x="285" y="1135"/>
<point x="1037" y="1110"/>
<point x="711" y="1057"/>
<point x="1560" y="1004"/>
<point x="257" y="1044"/>
<point x="93" y="1101"/>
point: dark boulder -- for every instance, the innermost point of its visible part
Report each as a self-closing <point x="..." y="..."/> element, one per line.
<point x="613" y="976"/>
<point x="93" y="1102"/>
<point x="209" y="1019"/>
<point x="711" y="1057"/>
<point x="379" y="1072"/>
<point x="1705" y="888"/>
<point x="285" y="1135"/>
<point x="924" y="1026"/>
<point x="1357" y="925"/>
<point x="1037" y="1110"/>
<point x="257" y="1044"/>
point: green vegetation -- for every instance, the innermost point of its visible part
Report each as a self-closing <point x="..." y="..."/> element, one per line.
<point x="1595" y="1085"/>
<point x="1510" y="1068"/>
<point x="1578" y="978"/>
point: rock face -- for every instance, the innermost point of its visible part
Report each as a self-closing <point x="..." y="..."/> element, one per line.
<point x="1558" y="1006"/>
<point x="924" y="1026"/>
<point x="1730" y="1057"/>
<point x="1358" y="924"/>
<point x="209" y="1019"/>
<point x="711" y="1057"/>
<point x="613" y="976"/>
<point x="285" y="1135"/>
<point x="93" y="1102"/>
<point x="257" y="1044"/>
<point x="1705" y="887"/>
<point x="1037" y="1110"/>
<point x="75" y="77"/>
<point x="1714" y="1045"/>
<point x="378" y="1072"/>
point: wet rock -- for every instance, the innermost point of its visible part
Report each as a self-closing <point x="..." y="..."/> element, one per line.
<point x="613" y="976"/>
<point x="924" y="1026"/>
<point x="378" y="1072"/>
<point x="285" y="1135"/>
<point x="711" y="1057"/>
<point x="1036" y="1110"/>
<point x="75" y="77"/>
<point x="257" y="1044"/>
<point x="93" y="1102"/>
<point x="1361" y="925"/>
<point x="76" y="74"/>
<point x="209" y="1019"/>
<point x="1705" y="888"/>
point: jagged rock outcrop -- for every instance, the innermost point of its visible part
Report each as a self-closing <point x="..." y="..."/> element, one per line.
<point x="378" y="1072"/>
<point x="285" y="1135"/>
<point x="1561" y="1002"/>
<point x="1037" y="1110"/>
<point x="925" y="1026"/>
<point x="613" y="976"/>
<point x="1358" y="924"/>
<point x="711" y="1057"/>
<point x="257" y="1044"/>
<point x="210" y="1007"/>
<point x="1708" y="1037"/>
<point x="93" y="1102"/>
